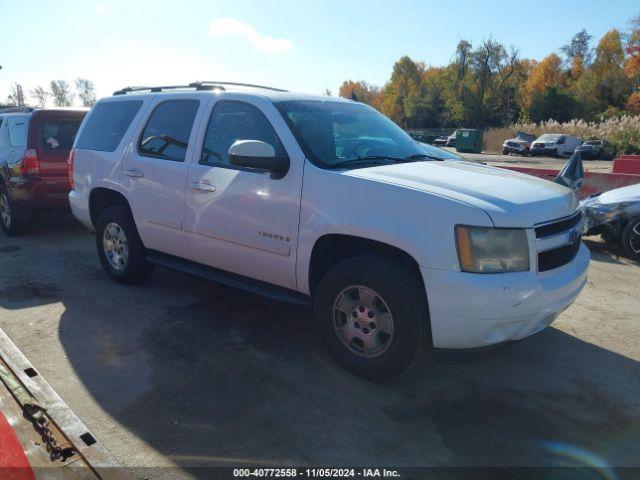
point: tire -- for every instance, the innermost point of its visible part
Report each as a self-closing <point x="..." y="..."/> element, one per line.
<point x="505" y="151"/>
<point x="13" y="221"/>
<point x="121" y="252"/>
<point x="354" y="282"/>
<point x="631" y="239"/>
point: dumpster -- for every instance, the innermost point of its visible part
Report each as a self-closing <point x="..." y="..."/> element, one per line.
<point x="469" y="140"/>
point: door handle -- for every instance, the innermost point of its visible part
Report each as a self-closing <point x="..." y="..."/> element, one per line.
<point x="202" y="187"/>
<point x="134" y="173"/>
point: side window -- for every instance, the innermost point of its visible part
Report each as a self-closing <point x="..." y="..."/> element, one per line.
<point x="18" y="131"/>
<point x="168" y="129"/>
<point x="232" y="121"/>
<point x="106" y="124"/>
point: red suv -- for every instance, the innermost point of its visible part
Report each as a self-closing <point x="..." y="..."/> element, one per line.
<point x="34" y="147"/>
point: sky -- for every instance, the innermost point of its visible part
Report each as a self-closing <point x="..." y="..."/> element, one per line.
<point x="301" y="45"/>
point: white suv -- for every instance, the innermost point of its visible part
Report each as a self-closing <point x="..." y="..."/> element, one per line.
<point x="325" y="201"/>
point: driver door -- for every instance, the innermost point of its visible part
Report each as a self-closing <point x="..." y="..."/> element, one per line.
<point x="241" y="220"/>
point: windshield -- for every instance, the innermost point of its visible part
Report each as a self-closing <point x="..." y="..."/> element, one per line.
<point x="549" y="137"/>
<point x="440" y="153"/>
<point x="335" y="133"/>
<point x="525" y="136"/>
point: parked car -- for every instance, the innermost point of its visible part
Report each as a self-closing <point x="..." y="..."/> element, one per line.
<point x="326" y="202"/>
<point x="451" y="140"/>
<point x="34" y="146"/>
<point x="520" y="144"/>
<point x="441" y="141"/>
<point x="596" y="150"/>
<point x="555" y="145"/>
<point x="615" y="215"/>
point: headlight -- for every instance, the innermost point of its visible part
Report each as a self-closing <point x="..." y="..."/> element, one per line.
<point x="492" y="250"/>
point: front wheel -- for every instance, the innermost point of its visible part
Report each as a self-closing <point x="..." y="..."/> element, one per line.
<point x="372" y="315"/>
<point x="631" y="239"/>
<point x="120" y="249"/>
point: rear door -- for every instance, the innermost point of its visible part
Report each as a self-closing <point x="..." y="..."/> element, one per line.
<point x="51" y="135"/>
<point x="155" y="170"/>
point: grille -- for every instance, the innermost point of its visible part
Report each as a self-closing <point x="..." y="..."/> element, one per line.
<point x="539" y="145"/>
<point x="558" y="256"/>
<point x="558" y="226"/>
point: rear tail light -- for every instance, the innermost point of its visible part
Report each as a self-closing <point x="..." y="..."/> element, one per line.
<point x="30" y="163"/>
<point x="70" y="167"/>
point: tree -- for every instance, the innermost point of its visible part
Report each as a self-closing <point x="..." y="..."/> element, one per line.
<point x="16" y="95"/>
<point x="578" y="52"/>
<point x="611" y="82"/>
<point x="544" y="75"/>
<point x="633" y="104"/>
<point x="86" y="92"/>
<point x="553" y="103"/>
<point x="40" y="96"/>
<point x="61" y="93"/>
<point x="404" y="91"/>
<point x="362" y="91"/>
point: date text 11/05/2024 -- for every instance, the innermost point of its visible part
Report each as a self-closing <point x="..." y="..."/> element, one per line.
<point x="317" y="472"/>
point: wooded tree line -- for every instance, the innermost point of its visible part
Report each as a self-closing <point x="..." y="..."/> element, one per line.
<point x="490" y="85"/>
<point x="60" y="92"/>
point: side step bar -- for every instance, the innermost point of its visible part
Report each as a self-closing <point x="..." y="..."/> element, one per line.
<point x="240" y="282"/>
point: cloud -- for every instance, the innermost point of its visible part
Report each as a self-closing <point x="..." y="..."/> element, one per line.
<point x="230" y="27"/>
<point x="101" y="8"/>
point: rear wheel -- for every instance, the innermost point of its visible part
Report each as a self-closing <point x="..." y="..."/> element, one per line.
<point x="631" y="239"/>
<point x="120" y="249"/>
<point x="372" y="315"/>
<point x="12" y="220"/>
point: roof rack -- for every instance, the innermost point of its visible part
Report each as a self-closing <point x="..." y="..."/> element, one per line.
<point x="16" y="109"/>
<point x="205" y="85"/>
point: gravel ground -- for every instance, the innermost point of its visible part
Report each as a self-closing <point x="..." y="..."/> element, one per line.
<point x="182" y="373"/>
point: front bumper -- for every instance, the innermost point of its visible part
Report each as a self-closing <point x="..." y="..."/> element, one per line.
<point x="470" y="310"/>
<point x="514" y="149"/>
<point x="544" y="151"/>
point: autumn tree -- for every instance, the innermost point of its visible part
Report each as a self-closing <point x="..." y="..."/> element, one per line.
<point x="612" y="86"/>
<point x="546" y="74"/>
<point x="402" y="97"/>
<point x="39" y="96"/>
<point x="362" y="91"/>
<point x="61" y="93"/>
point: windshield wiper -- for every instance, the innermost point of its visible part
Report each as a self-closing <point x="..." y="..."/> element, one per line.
<point x="416" y="156"/>
<point x="369" y="159"/>
<point x="375" y="159"/>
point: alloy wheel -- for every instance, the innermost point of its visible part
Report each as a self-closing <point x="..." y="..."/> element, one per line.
<point x="5" y="210"/>
<point x="363" y="321"/>
<point x="116" y="247"/>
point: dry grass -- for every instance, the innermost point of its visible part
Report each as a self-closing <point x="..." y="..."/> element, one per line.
<point x="622" y="132"/>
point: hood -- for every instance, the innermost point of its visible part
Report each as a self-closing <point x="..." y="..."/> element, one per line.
<point x="510" y="198"/>
<point x="517" y="140"/>
<point x="621" y="195"/>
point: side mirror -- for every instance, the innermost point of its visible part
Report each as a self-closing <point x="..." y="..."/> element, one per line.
<point x="257" y="154"/>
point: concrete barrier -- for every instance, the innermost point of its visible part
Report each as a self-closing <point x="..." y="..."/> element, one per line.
<point x="593" y="183"/>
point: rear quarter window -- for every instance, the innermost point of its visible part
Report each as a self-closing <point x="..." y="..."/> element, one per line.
<point x="18" y="129"/>
<point x="106" y="124"/>
<point x="58" y="134"/>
